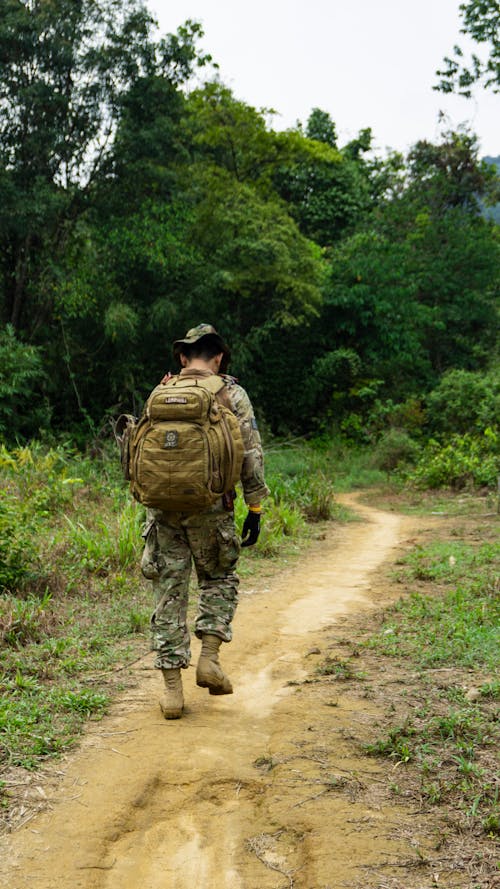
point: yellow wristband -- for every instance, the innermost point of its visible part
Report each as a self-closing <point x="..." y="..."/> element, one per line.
<point x="255" y="508"/>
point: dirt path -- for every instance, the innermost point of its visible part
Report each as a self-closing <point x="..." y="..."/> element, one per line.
<point x="236" y="794"/>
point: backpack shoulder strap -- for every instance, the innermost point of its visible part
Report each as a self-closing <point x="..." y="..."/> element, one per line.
<point x="172" y="380"/>
<point x="214" y="383"/>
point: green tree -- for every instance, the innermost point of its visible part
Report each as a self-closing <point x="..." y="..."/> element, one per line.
<point x="321" y="127"/>
<point x="231" y="134"/>
<point x="65" y="69"/>
<point x="464" y="400"/>
<point x="372" y="304"/>
<point x="327" y="189"/>
<point x="259" y="270"/>
<point x="480" y="22"/>
<point x="449" y="174"/>
<point x="415" y="291"/>
<point x="63" y="66"/>
<point x="21" y="380"/>
<point x="90" y="103"/>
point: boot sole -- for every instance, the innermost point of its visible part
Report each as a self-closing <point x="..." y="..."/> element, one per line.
<point x="172" y="714"/>
<point x="214" y="689"/>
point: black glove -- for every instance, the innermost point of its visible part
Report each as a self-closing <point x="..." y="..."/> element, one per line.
<point x="251" y="529"/>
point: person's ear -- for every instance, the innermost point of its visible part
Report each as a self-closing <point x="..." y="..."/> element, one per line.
<point x="183" y="360"/>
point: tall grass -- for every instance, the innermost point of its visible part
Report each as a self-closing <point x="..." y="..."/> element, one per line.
<point x="73" y="599"/>
<point x="115" y="543"/>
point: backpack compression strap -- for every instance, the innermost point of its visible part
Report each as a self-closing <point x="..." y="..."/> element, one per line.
<point x="216" y="384"/>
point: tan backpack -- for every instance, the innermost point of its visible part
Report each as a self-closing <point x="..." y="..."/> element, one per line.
<point x="187" y="449"/>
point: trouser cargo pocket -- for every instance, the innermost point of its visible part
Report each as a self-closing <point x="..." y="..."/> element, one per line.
<point x="229" y="548"/>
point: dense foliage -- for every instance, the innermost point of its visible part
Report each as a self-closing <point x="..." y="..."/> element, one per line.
<point x="132" y="207"/>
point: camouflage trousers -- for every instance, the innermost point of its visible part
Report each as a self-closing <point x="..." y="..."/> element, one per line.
<point x="173" y="543"/>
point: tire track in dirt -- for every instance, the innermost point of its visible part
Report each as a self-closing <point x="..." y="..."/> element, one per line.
<point x="171" y="805"/>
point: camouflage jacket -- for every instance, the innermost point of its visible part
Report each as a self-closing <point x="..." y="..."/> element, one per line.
<point x="236" y="399"/>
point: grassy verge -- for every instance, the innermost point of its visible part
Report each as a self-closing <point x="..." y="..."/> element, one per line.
<point x="70" y="605"/>
<point x="430" y="662"/>
<point x="448" y="630"/>
<point x="73" y="604"/>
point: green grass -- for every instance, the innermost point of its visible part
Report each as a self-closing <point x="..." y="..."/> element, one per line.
<point x="303" y="481"/>
<point x="36" y="722"/>
<point x="462" y="625"/>
<point x="72" y="599"/>
<point x="450" y="561"/>
<point x="343" y="466"/>
<point x="451" y="739"/>
<point x="114" y="543"/>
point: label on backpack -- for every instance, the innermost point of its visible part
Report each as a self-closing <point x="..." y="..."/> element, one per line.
<point x="171" y="439"/>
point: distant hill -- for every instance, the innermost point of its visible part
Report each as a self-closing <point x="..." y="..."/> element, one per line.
<point x="493" y="212"/>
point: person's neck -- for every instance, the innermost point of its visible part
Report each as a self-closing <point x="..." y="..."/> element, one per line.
<point x="198" y="364"/>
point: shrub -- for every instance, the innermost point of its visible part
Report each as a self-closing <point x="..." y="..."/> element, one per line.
<point x="15" y="545"/>
<point x="463" y="400"/>
<point x="281" y="520"/>
<point x="408" y="415"/>
<point x="21" y="372"/>
<point x="394" y="448"/>
<point x="34" y="483"/>
<point x="465" y="460"/>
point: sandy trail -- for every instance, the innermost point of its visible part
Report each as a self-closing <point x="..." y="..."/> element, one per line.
<point x="149" y="804"/>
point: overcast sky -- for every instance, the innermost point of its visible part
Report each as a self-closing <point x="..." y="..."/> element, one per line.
<point x="369" y="63"/>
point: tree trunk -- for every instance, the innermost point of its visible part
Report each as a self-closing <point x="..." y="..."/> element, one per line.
<point x="20" y="278"/>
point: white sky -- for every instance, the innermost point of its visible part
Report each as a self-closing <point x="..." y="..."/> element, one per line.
<point x="369" y="63"/>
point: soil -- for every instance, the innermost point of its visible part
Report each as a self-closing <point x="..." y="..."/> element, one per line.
<point x="267" y="788"/>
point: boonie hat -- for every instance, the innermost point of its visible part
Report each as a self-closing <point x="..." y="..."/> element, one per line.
<point x="199" y="332"/>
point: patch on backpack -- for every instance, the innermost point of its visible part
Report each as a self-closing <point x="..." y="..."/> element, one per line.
<point x="175" y="399"/>
<point x="171" y="439"/>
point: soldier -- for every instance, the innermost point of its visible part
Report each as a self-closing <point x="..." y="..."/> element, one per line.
<point x="175" y="540"/>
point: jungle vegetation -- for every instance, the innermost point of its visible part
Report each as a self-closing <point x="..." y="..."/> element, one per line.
<point x="139" y="196"/>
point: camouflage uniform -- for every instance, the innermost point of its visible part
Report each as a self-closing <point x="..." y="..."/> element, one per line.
<point x="174" y="540"/>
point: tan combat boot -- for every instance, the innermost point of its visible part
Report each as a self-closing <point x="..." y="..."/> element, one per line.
<point x="209" y="673"/>
<point x="172" y="701"/>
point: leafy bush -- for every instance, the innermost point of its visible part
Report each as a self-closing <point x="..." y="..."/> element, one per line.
<point x="394" y="448"/>
<point x="34" y="483"/>
<point x="14" y="545"/>
<point x="463" y="400"/>
<point x="21" y="372"/>
<point x="281" y="520"/>
<point x="465" y="460"/>
<point x="408" y="415"/>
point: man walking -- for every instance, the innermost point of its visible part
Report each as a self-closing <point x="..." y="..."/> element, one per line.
<point x="174" y="540"/>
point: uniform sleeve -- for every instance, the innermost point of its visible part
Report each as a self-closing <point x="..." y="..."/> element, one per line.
<point x="252" y="473"/>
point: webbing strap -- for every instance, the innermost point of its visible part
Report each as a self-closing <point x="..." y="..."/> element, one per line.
<point x="213" y="382"/>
